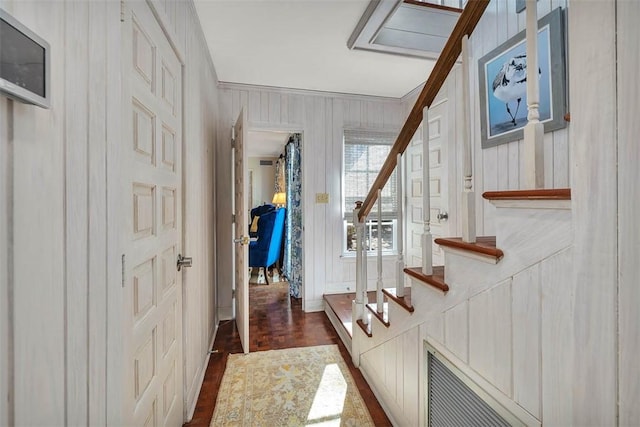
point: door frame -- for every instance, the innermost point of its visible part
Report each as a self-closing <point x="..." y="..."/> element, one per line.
<point x="299" y="129"/>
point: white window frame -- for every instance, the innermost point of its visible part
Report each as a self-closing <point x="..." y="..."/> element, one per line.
<point x="372" y="219"/>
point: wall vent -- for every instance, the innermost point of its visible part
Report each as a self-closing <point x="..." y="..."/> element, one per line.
<point x="266" y="162"/>
<point x="453" y="399"/>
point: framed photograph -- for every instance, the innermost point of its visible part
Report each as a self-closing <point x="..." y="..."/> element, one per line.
<point x="503" y="83"/>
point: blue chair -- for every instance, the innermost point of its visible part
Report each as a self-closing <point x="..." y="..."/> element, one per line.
<point x="258" y="211"/>
<point x="265" y="251"/>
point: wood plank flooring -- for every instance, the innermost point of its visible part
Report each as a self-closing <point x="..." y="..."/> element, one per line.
<point x="276" y="322"/>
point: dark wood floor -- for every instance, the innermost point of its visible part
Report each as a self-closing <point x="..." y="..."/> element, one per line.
<point x="277" y="321"/>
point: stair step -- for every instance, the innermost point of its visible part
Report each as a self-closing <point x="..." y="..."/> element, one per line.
<point x="541" y="194"/>
<point x="484" y="246"/>
<point x="404" y="302"/>
<point x="436" y="279"/>
<point x="365" y="328"/>
<point x="546" y="198"/>
<point x="384" y="316"/>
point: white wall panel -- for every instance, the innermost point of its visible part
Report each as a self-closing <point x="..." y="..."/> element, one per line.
<point x="595" y="210"/>
<point x="490" y="337"/>
<point x="66" y="260"/>
<point x="556" y="332"/>
<point x="456" y="330"/>
<point x="628" y="15"/>
<point x="526" y="312"/>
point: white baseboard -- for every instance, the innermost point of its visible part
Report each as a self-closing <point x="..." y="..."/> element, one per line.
<point x="225" y="313"/>
<point x="314" y="305"/>
<point x="203" y="370"/>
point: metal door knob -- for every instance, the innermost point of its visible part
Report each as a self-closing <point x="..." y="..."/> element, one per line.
<point x="183" y="262"/>
<point x="443" y="216"/>
<point x="243" y="240"/>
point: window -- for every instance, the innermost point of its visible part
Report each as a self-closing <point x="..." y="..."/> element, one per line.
<point x="364" y="155"/>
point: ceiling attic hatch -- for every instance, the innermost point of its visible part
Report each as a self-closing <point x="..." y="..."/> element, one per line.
<point x="404" y="27"/>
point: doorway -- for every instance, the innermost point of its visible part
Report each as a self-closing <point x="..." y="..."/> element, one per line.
<point x="274" y="170"/>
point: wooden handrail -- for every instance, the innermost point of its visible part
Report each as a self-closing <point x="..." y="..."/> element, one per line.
<point x="466" y="23"/>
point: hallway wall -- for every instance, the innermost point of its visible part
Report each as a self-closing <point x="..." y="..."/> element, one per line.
<point x="60" y="267"/>
<point x="321" y="117"/>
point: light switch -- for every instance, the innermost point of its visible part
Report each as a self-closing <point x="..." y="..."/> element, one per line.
<point x="322" y="197"/>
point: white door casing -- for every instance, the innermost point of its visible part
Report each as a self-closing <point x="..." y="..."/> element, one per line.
<point x="151" y="165"/>
<point x="241" y="209"/>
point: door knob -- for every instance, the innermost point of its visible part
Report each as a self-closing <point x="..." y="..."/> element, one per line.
<point x="243" y="240"/>
<point x="443" y="216"/>
<point x="183" y="262"/>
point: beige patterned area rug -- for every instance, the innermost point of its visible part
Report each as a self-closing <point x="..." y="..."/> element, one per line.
<point x="308" y="386"/>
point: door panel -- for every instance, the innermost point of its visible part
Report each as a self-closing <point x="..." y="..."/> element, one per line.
<point x="153" y="392"/>
<point x="241" y="209"/>
<point x="438" y="140"/>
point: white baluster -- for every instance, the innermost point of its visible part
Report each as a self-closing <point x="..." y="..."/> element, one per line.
<point x="400" y="263"/>
<point x="357" y="306"/>
<point x="468" y="196"/>
<point x="427" y="238"/>
<point x="365" y="281"/>
<point x="358" y="309"/>
<point x="379" y="297"/>
<point x="534" y="129"/>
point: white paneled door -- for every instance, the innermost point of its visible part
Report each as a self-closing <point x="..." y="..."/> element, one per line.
<point x="242" y="240"/>
<point x="439" y="153"/>
<point x="151" y="163"/>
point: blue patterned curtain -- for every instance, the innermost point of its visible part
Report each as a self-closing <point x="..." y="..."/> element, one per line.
<point x="293" y="224"/>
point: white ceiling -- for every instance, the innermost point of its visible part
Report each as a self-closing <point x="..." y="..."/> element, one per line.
<point x="302" y="44"/>
<point x="266" y="143"/>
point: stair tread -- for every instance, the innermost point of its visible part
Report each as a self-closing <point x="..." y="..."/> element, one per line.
<point x="484" y="245"/>
<point x="540" y="194"/>
<point x="384" y="316"/>
<point x="436" y="279"/>
<point x="365" y="328"/>
<point x="404" y="302"/>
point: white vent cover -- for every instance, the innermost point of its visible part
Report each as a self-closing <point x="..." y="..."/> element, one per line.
<point x="455" y="400"/>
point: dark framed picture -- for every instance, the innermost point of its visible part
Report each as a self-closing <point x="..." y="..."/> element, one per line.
<point x="503" y="83"/>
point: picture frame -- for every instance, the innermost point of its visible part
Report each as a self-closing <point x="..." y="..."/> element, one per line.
<point x="502" y="84"/>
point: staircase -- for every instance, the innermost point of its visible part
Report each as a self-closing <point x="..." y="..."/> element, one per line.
<point x="495" y="308"/>
<point x="534" y="230"/>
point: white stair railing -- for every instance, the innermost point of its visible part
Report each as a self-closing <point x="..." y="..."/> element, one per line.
<point x="534" y="129"/>
<point x="468" y="196"/>
<point x="427" y="238"/>
<point x="400" y="263"/>
<point x="379" y="296"/>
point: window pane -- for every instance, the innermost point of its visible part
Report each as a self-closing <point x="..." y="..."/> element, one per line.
<point x="364" y="155"/>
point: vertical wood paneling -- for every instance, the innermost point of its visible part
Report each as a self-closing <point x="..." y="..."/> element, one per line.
<point x="97" y="218"/>
<point x="390" y="349"/>
<point x="6" y="256"/>
<point x="526" y="339"/>
<point x="411" y="378"/>
<point x="594" y="208"/>
<point x="628" y="15"/>
<point x="38" y="236"/>
<point x="76" y="221"/>
<point x="556" y="333"/>
<point x="322" y="118"/>
<point x="490" y="340"/>
<point x="456" y="330"/>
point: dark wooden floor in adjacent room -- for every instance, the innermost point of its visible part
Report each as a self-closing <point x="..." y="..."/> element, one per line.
<point x="276" y="322"/>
